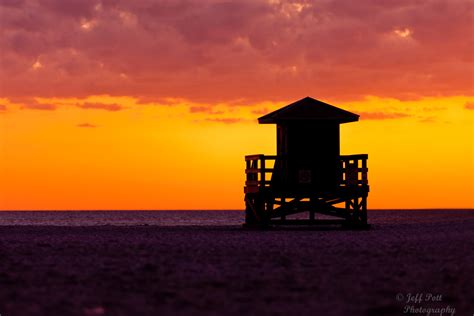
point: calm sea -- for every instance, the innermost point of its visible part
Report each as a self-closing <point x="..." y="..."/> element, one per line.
<point x="121" y="218"/>
<point x="201" y="218"/>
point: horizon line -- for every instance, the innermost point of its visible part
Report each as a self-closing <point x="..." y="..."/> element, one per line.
<point x="217" y="210"/>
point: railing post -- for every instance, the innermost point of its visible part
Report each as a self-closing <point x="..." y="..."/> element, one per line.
<point x="283" y="202"/>
<point x="364" y="172"/>
<point x="262" y="170"/>
<point x="343" y="171"/>
<point x="247" y="165"/>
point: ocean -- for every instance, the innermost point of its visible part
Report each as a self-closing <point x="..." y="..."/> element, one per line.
<point x="121" y="218"/>
<point x="196" y="218"/>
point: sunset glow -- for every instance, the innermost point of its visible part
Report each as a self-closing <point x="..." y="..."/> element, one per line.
<point x="131" y="104"/>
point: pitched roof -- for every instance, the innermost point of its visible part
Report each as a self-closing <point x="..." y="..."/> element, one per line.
<point x="309" y="109"/>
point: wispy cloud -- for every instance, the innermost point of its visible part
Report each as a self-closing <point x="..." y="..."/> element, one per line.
<point x="157" y="100"/>
<point x="429" y="119"/>
<point x="86" y="125"/>
<point x="381" y="115"/>
<point x="101" y="106"/>
<point x="227" y="120"/>
<point x="3" y="107"/>
<point x="260" y="111"/>
<point x="204" y="109"/>
<point x="433" y="108"/>
<point x="39" y="106"/>
<point x="469" y="106"/>
<point x="27" y="103"/>
<point x="200" y="109"/>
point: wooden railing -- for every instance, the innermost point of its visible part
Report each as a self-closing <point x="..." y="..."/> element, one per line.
<point x="354" y="170"/>
<point x="259" y="169"/>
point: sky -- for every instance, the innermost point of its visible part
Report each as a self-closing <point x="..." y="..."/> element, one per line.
<point x="146" y="104"/>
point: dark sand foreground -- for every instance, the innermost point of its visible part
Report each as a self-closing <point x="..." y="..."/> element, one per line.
<point x="152" y="270"/>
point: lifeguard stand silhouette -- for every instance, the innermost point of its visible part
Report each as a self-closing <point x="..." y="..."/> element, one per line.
<point x="308" y="174"/>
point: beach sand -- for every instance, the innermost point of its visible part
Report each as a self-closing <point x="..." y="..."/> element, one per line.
<point x="225" y="270"/>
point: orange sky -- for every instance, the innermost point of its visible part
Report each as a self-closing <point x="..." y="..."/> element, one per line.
<point x="139" y="105"/>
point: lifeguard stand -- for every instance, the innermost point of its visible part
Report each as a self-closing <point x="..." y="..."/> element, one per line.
<point x="308" y="174"/>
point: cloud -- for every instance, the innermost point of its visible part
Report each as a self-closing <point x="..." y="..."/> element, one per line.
<point x="261" y="111"/>
<point x="204" y="109"/>
<point x="381" y="115"/>
<point x="434" y="108"/>
<point x="158" y="100"/>
<point x="225" y="120"/>
<point x="469" y="106"/>
<point x="28" y="103"/>
<point x="101" y="106"/>
<point x="429" y="119"/>
<point x="86" y="125"/>
<point x="3" y="107"/>
<point x="251" y="50"/>
<point x="200" y="109"/>
<point x="38" y="106"/>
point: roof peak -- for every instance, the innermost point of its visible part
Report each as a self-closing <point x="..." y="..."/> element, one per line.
<point x="309" y="109"/>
